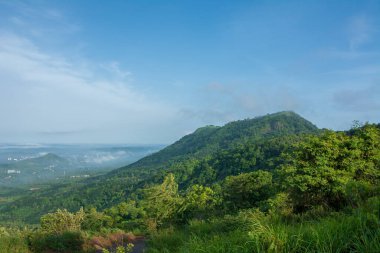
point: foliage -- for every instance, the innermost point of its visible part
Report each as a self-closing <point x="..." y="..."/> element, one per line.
<point x="121" y="249"/>
<point x="199" y="201"/>
<point x="95" y="221"/>
<point x="62" y="221"/>
<point x="367" y="141"/>
<point x="280" y="204"/>
<point x="126" y="215"/>
<point x="252" y="231"/>
<point x="256" y="185"/>
<point x="13" y="240"/>
<point x="247" y="189"/>
<point x="203" y="157"/>
<point x="318" y="170"/>
<point x="67" y="241"/>
<point x="162" y="202"/>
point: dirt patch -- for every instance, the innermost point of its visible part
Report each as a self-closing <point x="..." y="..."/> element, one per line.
<point x="112" y="241"/>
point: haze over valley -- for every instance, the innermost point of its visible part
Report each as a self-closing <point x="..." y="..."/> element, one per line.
<point x="33" y="164"/>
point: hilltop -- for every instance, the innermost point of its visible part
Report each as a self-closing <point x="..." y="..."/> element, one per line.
<point x="209" y="139"/>
<point x="256" y="143"/>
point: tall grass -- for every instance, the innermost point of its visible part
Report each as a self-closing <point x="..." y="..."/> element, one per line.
<point x="252" y="231"/>
<point x="13" y="241"/>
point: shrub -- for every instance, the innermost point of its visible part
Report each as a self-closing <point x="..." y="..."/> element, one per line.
<point x="95" y="221"/>
<point x="62" y="221"/>
<point x="65" y="242"/>
<point x="247" y="189"/>
<point x="358" y="191"/>
<point x="280" y="204"/>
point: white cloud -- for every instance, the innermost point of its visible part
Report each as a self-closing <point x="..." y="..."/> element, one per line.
<point x="46" y="93"/>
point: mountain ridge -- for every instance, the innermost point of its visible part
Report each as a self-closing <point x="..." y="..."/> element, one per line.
<point x="195" y="158"/>
<point x="217" y="137"/>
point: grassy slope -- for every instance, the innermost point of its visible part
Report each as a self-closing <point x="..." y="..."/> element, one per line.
<point x="355" y="230"/>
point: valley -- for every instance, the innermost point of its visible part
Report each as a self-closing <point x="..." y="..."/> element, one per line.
<point x="30" y="165"/>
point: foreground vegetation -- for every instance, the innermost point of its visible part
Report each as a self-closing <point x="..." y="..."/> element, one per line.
<point x="289" y="191"/>
<point x="254" y="231"/>
<point x="326" y="199"/>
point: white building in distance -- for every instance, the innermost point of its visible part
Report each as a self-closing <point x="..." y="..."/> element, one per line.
<point x="13" y="172"/>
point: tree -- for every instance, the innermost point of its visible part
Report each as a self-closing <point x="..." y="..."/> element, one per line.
<point x="126" y="214"/>
<point x="367" y="140"/>
<point x="161" y="202"/>
<point x="247" y="189"/>
<point x="318" y="169"/>
<point x="94" y="220"/>
<point x="62" y="221"/>
<point x="198" y="201"/>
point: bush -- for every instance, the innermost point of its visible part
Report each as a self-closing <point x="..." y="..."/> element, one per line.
<point x="62" y="221"/>
<point x="247" y="189"/>
<point x="358" y="191"/>
<point x="96" y="221"/>
<point x="67" y="242"/>
<point x="280" y="204"/>
<point x="333" y="169"/>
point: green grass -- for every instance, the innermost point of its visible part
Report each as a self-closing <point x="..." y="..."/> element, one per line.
<point x="13" y="241"/>
<point x="251" y="231"/>
<point x="13" y="244"/>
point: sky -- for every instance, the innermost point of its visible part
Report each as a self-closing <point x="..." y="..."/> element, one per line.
<point x="146" y="72"/>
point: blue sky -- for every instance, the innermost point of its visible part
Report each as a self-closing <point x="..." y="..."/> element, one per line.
<point x="152" y="71"/>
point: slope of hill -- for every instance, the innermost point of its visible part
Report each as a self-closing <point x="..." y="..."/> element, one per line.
<point x="198" y="157"/>
<point x="207" y="140"/>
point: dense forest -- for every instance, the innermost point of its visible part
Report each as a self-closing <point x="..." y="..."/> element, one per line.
<point x="274" y="183"/>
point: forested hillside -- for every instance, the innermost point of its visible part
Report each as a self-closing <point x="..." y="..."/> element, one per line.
<point x="205" y="156"/>
<point x="209" y="139"/>
<point x="271" y="184"/>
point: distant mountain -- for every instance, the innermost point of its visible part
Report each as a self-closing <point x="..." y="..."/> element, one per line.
<point x="45" y="160"/>
<point x="32" y="170"/>
<point x="24" y="167"/>
<point x="205" y="156"/>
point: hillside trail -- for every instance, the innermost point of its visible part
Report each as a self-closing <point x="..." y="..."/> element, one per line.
<point x="139" y="244"/>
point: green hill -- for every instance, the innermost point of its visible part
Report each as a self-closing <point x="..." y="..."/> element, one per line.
<point x="205" y="156"/>
<point x="207" y="140"/>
